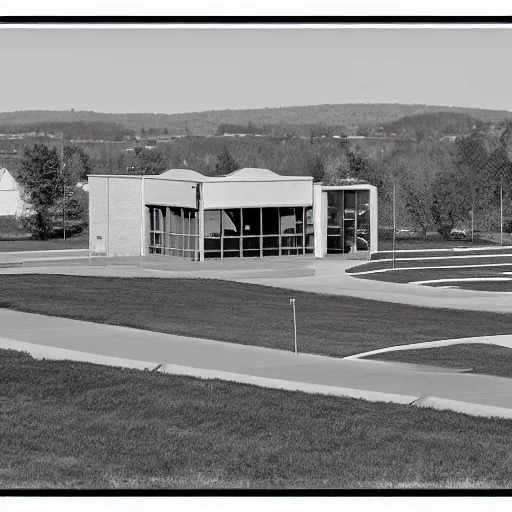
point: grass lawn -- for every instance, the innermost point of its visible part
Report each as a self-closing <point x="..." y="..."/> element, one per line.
<point x="79" y="242"/>
<point x="433" y="242"/>
<point x="407" y="276"/>
<point x="482" y="286"/>
<point x="244" y="313"/>
<point x="381" y="255"/>
<point x="78" y="425"/>
<point x="482" y="358"/>
<point x="484" y="260"/>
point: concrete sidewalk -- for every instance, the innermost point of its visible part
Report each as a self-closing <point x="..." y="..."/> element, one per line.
<point x="205" y="356"/>
<point x="330" y="278"/>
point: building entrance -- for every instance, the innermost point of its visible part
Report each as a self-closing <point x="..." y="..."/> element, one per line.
<point x="348" y="221"/>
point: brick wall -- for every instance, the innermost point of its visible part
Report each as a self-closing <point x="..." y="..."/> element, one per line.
<point x="97" y="215"/>
<point x="118" y="202"/>
<point x="125" y="217"/>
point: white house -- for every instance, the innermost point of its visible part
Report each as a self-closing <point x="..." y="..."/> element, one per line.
<point x="10" y="199"/>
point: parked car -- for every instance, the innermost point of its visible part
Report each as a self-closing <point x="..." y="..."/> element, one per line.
<point x="458" y="234"/>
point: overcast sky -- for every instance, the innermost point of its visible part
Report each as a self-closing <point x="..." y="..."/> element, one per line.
<point x="190" y="70"/>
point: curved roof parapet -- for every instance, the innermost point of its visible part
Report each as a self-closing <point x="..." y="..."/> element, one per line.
<point x="246" y="174"/>
<point x="181" y="174"/>
<point x="257" y="174"/>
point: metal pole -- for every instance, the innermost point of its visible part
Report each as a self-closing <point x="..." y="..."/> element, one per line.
<point x="472" y="225"/>
<point x="292" y="302"/>
<point x="142" y="221"/>
<point x="63" y="187"/>
<point x="501" y="212"/>
<point x="394" y="224"/>
<point x="107" y="245"/>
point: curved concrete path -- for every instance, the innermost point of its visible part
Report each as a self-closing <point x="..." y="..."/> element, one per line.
<point x="320" y="276"/>
<point x="330" y="278"/>
<point x="503" y="340"/>
<point x="55" y="337"/>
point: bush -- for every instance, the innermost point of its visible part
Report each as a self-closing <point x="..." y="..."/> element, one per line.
<point x="10" y="224"/>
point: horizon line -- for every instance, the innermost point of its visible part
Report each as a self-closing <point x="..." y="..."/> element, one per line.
<point x="256" y="108"/>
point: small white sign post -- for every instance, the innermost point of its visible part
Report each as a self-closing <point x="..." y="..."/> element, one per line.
<point x="292" y="302"/>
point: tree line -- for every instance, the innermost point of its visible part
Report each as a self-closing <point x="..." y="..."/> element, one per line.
<point x="438" y="185"/>
<point x="79" y="130"/>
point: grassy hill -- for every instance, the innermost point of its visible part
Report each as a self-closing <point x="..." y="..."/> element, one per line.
<point x="349" y="116"/>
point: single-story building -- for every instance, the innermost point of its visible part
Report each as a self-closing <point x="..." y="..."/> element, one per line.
<point x="248" y="213"/>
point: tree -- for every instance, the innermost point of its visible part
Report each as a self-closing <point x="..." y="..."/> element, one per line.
<point x="77" y="207"/>
<point x="449" y="206"/>
<point x="77" y="164"/>
<point x="418" y="190"/>
<point x="317" y="169"/>
<point x="150" y="162"/>
<point x="359" y="167"/>
<point x="470" y="159"/>
<point x="226" y="164"/>
<point x="41" y="182"/>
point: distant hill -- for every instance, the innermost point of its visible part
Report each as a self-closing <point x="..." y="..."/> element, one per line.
<point x="434" y="125"/>
<point x="349" y="116"/>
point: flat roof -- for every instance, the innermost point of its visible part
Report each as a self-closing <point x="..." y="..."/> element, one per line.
<point x="355" y="186"/>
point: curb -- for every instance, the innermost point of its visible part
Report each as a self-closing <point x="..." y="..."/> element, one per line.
<point x="53" y="353"/>
<point x="444" y="404"/>
<point x="485" y="340"/>
<point x="371" y="396"/>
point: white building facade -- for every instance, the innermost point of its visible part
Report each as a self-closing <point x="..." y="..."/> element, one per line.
<point x="249" y="213"/>
<point x="10" y="198"/>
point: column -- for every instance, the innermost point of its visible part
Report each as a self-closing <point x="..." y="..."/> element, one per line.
<point x="201" y="222"/>
<point x="319" y="220"/>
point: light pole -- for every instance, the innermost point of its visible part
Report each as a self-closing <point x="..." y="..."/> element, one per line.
<point x="472" y="225"/>
<point x="501" y="210"/>
<point x="394" y="222"/>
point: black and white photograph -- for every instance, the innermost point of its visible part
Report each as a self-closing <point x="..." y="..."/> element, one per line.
<point x="269" y="256"/>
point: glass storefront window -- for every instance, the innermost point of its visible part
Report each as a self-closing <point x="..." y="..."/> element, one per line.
<point x="173" y="231"/>
<point x="310" y="229"/>
<point x="270" y="221"/>
<point x="287" y="221"/>
<point x="349" y="217"/>
<point x="363" y="220"/>
<point x="212" y="223"/>
<point x="247" y="232"/>
<point x="251" y="222"/>
<point x="348" y="221"/>
<point x="231" y="223"/>
<point x="270" y="242"/>
<point x="252" y="244"/>
<point x="231" y="244"/>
